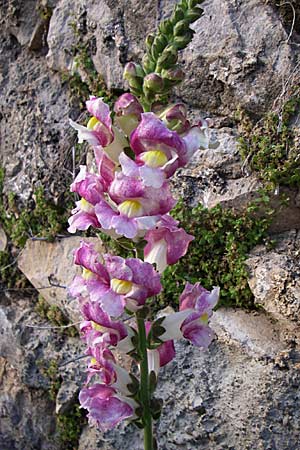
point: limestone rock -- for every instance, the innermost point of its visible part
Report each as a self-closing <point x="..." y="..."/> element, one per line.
<point x="238" y="57"/>
<point x="274" y="278"/>
<point x="221" y="398"/>
<point x="44" y="263"/>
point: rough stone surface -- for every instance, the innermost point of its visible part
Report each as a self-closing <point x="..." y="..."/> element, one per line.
<point x="46" y="264"/>
<point x="274" y="278"/>
<point x="27" y="346"/>
<point x="218" y="399"/>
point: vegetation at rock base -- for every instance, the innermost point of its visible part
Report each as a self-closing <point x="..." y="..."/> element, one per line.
<point x="271" y="147"/>
<point x="216" y="257"/>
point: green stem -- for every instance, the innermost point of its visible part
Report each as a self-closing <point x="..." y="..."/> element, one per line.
<point x="144" y="389"/>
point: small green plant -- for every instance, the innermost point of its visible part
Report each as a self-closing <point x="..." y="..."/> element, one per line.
<point x="42" y="218"/>
<point x="55" y="316"/>
<point x="271" y="147"/>
<point x="69" y="427"/>
<point x="49" y="369"/>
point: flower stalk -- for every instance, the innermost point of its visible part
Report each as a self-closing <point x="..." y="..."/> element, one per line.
<point x="145" y="385"/>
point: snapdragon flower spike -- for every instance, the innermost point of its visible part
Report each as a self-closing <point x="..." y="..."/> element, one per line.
<point x="166" y="244"/>
<point x="136" y="207"/>
<point x="128" y="113"/>
<point x="191" y="322"/>
<point x="119" y="283"/>
<point x="106" y="408"/>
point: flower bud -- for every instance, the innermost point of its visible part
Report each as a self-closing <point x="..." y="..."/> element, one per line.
<point x="177" y="15"/>
<point x="194" y="14"/>
<point x="174" y="74"/>
<point x="166" y="27"/>
<point x="153" y="82"/>
<point x="128" y="104"/>
<point x="181" y="28"/>
<point x="182" y="41"/>
<point x="133" y="70"/>
<point x="149" y="41"/>
<point x="148" y="63"/>
<point x="175" y="117"/>
<point x="168" y="58"/>
<point x="160" y="42"/>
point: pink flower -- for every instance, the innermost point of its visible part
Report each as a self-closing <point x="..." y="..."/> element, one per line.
<point x="158" y="147"/>
<point x="166" y="243"/>
<point x="191" y="322"/>
<point x="106" y="408"/>
<point x="99" y="131"/>
<point x="99" y="128"/>
<point x="97" y="323"/>
<point x="135" y="207"/>
<point x="119" y="283"/>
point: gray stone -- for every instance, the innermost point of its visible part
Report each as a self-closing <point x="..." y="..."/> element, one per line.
<point x="274" y="279"/>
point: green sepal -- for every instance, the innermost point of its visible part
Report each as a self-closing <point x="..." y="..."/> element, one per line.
<point x="193" y="3"/>
<point x="143" y="312"/>
<point x="182" y="41"/>
<point x="134" y="386"/>
<point x="156" y="405"/>
<point x="152" y="381"/>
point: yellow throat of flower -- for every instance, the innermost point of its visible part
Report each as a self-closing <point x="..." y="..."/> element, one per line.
<point x="85" y="205"/>
<point x="92" y="123"/>
<point x="87" y="274"/>
<point x="154" y="158"/>
<point x="204" y="318"/>
<point x="131" y="208"/>
<point x="120" y="286"/>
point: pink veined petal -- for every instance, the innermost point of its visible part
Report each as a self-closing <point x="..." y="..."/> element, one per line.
<point x="108" y="413"/>
<point x="166" y="352"/>
<point x="198" y="333"/>
<point x="82" y="220"/>
<point x="118" y="267"/>
<point x="105" y="214"/>
<point x="129" y="167"/>
<point x="112" y="303"/>
<point x="84" y="134"/>
<point x="124" y="226"/>
<point x="152" y="177"/>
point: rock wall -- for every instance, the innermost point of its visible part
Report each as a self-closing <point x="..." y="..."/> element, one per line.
<point x="244" y="392"/>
